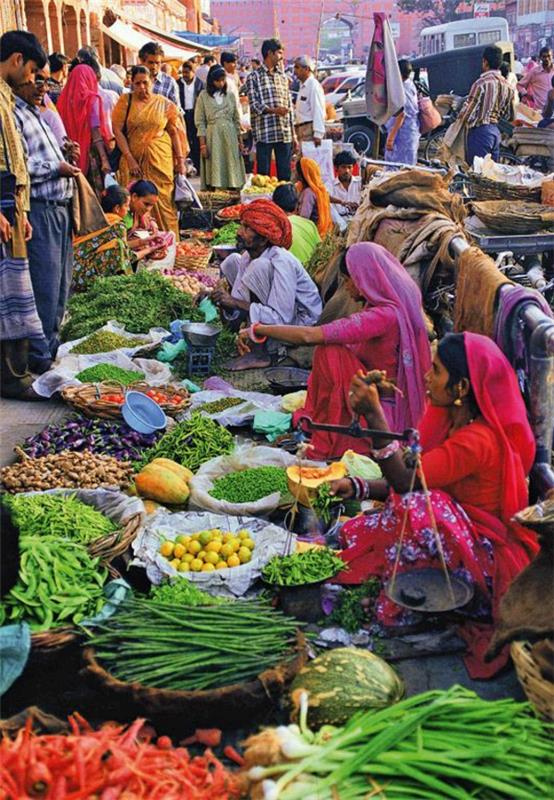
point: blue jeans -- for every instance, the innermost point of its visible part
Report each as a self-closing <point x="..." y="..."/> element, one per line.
<point x="481" y="141"/>
<point x="283" y="154"/>
<point x="50" y="253"/>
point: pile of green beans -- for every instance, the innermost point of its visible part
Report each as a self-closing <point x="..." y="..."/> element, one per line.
<point x="207" y="647"/>
<point x="58" y="583"/>
<point x="191" y="443"/>
<point x="215" y="406"/>
<point x="58" y="515"/>
<point x="250" y="485"/>
<point x="109" y="372"/>
<point x="311" y="566"/>
<point x="105" y="342"/>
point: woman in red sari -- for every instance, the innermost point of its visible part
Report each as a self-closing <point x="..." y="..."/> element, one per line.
<point x="388" y="334"/>
<point x="477" y="451"/>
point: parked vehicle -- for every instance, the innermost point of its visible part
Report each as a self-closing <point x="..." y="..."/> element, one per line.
<point x="456" y="70"/>
<point x="336" y="87"/>
<point x="479" y="31"/>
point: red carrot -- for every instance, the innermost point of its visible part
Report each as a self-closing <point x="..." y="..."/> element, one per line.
<point x="234" y="755"/>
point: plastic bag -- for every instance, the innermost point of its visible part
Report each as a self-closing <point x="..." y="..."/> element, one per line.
<point x="322" y="154"/>
<point x="360" y="466"/>
<point x="272" y="423"/>
<point x="185" y="193"/>
<point x="269" y="539"/>
<point x="244" y="457"/>
<point x="238" y="415"/>
<point x="293" y="401"/>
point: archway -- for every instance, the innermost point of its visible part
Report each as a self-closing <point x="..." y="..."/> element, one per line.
<point x="37" y="22"/>
<point x="55" y="33"/>
<point x="336" y="38"/>
<point x="70" y="34"/>
<point x="83" y="27"/>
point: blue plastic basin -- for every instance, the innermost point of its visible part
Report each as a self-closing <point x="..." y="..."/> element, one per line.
<point x="143" y="414"/>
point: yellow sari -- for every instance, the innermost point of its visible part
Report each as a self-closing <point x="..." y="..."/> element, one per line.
<point x="148" y="135"/>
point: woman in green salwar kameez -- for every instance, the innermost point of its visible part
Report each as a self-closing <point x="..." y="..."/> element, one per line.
<point x="218" y="124"/>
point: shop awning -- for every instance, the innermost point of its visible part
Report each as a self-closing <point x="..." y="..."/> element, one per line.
<point x="208" y="39"/>
<point x="132" y="37"/>
<point x="169" y="39"/>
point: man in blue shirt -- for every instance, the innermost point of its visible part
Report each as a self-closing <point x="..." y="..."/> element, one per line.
<point x="50" y="250"/>
<point x="151" y="55"/>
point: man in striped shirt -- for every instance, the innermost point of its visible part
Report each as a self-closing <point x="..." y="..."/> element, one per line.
<point x="491" y="99"/>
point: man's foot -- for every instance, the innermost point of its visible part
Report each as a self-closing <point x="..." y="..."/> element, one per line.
<point x="249" y="361"/>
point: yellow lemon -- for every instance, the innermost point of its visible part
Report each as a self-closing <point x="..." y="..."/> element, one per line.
<point x="235" y="544"/>
<point x="179" y="551"/>
<point x="227" y="536"/>
<point x="244" y="555"/>
<point x="201" y="555"/>
<point x="208" y="568"/>
<point x="196" y="565"/>
<point x="213" y="547"/>
<point x="233" y="561"/>
<point x="167" y="549"/>
<point x="205" y="537"/>
<point x="182" y="539"/>
<point x="250" y="543"/>
<point x="194" y="547"/>
<point x="243" y="534"/>
<point x="211" y="558"/>
<point x="175" y="563"/>
<point x="195" y="537"/>
<point x="187" y="558"/>
<point x="221" y="565"/>
<point x="183" y="567"/>
<point x="217" y="537"/>
<point x="226" y="550"/>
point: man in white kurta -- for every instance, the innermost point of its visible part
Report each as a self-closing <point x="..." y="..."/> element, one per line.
<point x="310" y="104"/>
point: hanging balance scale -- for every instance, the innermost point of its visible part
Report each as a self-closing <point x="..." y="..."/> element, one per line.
<point x="430" y="590"/>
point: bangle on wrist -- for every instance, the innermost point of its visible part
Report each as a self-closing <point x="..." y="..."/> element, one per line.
<point x="386" y="452"/>
<point x="252" y="334"/>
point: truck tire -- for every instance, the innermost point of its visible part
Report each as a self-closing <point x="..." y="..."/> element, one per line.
<point x="361" y="137"/>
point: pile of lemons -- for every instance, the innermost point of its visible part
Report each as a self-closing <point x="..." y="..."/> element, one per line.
<point x="208" y="550"/>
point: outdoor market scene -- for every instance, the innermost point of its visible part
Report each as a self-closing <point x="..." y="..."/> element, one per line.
<point x="277" y="416"/>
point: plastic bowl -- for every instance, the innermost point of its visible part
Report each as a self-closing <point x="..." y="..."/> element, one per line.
<point x="143" y="414"/>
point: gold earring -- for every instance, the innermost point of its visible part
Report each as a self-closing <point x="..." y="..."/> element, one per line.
<point x="458" y="402"/>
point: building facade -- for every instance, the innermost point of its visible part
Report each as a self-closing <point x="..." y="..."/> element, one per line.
<point x="534" y="25"/>
<point x="342" y="28"/>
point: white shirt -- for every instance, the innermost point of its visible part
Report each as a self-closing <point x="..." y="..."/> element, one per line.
<point x="350" y="195"/>
<point x="188" y="94"/>
<point x="233" y="87"/>
<point x="310" y="106"/>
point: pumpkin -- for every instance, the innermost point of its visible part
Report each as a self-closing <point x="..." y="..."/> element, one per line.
<point x="305" y="481"/>
<point x="164" y="481"/>
<point x="343" y="681"/>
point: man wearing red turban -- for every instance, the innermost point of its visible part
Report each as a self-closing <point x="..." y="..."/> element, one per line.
<point x="268" y="284"/>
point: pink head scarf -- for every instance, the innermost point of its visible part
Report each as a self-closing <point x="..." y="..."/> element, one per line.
<point x="78" y="103"/>
<point x="383" y="281"/>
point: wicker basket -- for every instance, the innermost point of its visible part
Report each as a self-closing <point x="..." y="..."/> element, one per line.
<point x="88" y="398"/>
<point x="219" y="199"/>
<point x="485" y="189"/>
<point x="197" y="233"/>
<point x="107" y="548"/>
<point x="193" y="263"/>
<point x="225" y="220"/>
<point x="540" y="692"/>
<point x="515" y="216"/>
<point x="201" y="709"/>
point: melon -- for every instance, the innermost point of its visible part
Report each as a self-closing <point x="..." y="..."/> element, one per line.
<point x="342" y="682"/>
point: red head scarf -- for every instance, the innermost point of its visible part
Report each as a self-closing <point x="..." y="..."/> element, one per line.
<point x="79" y="102"/>
<point x="267" y="219"/>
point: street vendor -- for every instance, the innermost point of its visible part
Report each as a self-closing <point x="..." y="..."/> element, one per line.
<point x="268" y="284"/>
<point x="478" y="449"/>
<point x="346" y="189"/>
<point x="305" y="235"/>
<point x="388" y="334"/>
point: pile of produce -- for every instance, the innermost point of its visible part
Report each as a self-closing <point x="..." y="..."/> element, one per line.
<point x="217" y="197"/>
<point x="355" y="606"/>
<point x="263" y="184"/>
<point x="192" y="250"/>
<point x="139" y="302"/>
<point x="79" y="434"/>
<point x="58" y="584"/>
<point x="216" y="406"/>
<point x="206" y="280"/>
<point x="435" y="745"/>
<point x="182" y="592"/>
<point x="157" y="645"/>
<point x="227" y="234"/>
<point x="250" y="485"/>
<point x="157" y="394"/>
<point x="66" y="470"/>
<point x="231" y="212"/>
<point x="165" y="481"/>
<point x="186" y="282"/>
<point x="57" y="515"/>
<point x="105" y="342"/>
<point x="208" y="550"/>
<point x="109" y="372"/>
<point x="191" y="443"/>
<point x="324" y="252"/>
<point x="342" y="682"/>
<point x="296" y="569"/>
<point x="323" y="502"/>
<point x="112" y="762"/>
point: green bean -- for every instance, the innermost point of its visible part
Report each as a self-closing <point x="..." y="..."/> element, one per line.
<point x="57" y="515"/>
<point x="299" y="568"/>
<point x="109" y="372"/>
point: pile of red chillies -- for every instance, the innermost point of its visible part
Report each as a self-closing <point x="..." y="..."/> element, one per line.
<point x="110" y="763"/>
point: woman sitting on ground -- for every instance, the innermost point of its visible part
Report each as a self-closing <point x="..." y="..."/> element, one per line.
<point x="388" y="334"/>
<point x="305" y="236"/>
<point x="142" y="228"/>
<point x="313" y="200"/>
<point x="477" y="451"/>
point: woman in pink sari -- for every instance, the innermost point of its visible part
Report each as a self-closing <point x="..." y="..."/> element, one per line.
<point x="477" y="451"/>
<point x="388" y="334"/>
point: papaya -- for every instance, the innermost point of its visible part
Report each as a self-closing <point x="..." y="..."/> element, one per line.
<point x="305" y="481"/>
<point x="150" y="506"/>
<point x="161" y="482"/>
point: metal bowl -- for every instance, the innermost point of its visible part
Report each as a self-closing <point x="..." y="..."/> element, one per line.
<point x="200" y="334"/>
<point x="287" y="379"/>
<point x="427" y="590"/>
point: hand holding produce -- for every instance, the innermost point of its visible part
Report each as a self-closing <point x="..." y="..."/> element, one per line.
<point x="249" y="485"/>
<point x="296" y="569"/>
<point x="165" y="481"/>
<point x="57" y="515"/>
<point x="66" y="470"/>
<point x="323" y="503"/>
<point x="109" y="372"/>
<point x="209" y="550"/>
<point x="105" y="342"/>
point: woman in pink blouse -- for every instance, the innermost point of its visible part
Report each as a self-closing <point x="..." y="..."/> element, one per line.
<point x="388" y="334"/>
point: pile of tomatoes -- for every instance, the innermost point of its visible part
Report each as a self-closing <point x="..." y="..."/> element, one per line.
<point x="161" y="397"/>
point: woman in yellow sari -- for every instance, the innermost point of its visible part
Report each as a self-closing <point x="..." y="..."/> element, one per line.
<point x="150" y="134"/>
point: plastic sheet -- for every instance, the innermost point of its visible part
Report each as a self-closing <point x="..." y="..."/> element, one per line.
<point x="238" y="415"/>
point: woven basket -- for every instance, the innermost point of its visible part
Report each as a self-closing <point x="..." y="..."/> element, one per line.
<point x="539" y="692"/>
<point x="515" y="216"/>
<point x="201" y="709"/>
<point x="485" y="189"/>
<point x="219" y="199"/>
<point x="197" y="233"/>
<point x="88" y="398"/>
<point x="225" y="220"/>
<point x="193" y="263"/>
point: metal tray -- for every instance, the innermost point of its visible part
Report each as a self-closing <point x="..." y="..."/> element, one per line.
<point x="431" y="586"/>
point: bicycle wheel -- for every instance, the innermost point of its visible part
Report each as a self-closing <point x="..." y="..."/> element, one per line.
<point x="434" y="146"/>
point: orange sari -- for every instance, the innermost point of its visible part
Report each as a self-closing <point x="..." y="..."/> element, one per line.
<point x="148" y="134"/>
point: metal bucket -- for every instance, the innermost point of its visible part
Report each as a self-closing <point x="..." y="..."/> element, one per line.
<point x="302" y="602"/>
